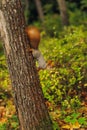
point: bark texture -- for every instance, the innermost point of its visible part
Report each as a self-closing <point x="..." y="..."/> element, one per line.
<point x="28" y="96"/>
<point x="63" y="12"/>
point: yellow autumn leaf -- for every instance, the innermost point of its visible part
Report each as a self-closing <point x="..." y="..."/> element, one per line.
<point x="66" y="127"/>
<point x="85" y="85"/>
<point x="71" y="126"/>
<point x="76" y="125"/>
<point x="55" y="115"/>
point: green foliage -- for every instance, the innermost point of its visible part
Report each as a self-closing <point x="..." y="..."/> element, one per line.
<point x="52" y="26"/>
<point x="64" y="83"/>
<point x="84" y="4"/>
<point x="48" y="8"/>
<point x="77" y="13"/>
<point x="6" y="122"/>
<point x="72" y="118"/>
<point x="75" y="117"/>
<point x="13" y="123"/>
<point x="55" y="126"/>
<point x="1" y="49"/>
<point x="77" y="17"/>
<point x="3" y="126"/>
<point x="82" y="121"/>
<point x="4" y="78"/>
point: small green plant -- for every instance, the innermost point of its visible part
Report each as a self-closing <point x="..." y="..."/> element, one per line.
<point x="12" y="123"/>
<point x="55" y="126"/>
<point x="76" y="117"/>
<point x="3" y="126"/>
<point x="75" y="103"/>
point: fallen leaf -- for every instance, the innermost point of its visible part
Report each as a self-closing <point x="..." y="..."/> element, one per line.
<point x="66" y="127"/>
<point x="76" y="125"/>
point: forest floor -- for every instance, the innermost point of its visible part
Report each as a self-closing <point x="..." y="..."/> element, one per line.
<point x="8" y="112"/>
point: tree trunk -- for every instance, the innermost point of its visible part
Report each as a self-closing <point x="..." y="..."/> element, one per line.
<point x="39" y="9"/>
<point x="63" y="12"/>
<point x="27" y="92"/>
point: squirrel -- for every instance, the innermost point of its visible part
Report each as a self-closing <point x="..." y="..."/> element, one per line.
<point x="33" y="34"/>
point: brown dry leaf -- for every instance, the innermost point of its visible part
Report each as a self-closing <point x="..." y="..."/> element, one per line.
<point x="2" y="112"/>
<point x="48" y="104"/>
<point x="50" y="63"/>
<point x="83" y="110"/>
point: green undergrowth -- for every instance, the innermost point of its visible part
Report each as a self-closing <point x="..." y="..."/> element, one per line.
<point x="64" y="85"/>
<point x="8" y="118"/>
<point x="69" y="56"/>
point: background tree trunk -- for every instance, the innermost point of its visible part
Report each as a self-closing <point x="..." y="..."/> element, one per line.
<point x="25" y="4"/>
<point x="63" y="12"/>
<point x="39" y="9"/>
<point x="27" y="91"/>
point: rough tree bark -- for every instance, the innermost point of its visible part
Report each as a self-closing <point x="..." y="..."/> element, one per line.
<point x="63" y="12"/>
<point x="39" y="9"/>
<point x="28" y="96"/>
